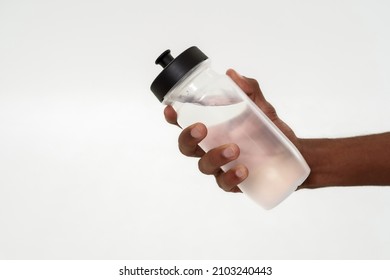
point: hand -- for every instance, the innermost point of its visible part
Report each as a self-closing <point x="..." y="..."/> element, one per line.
<point x="210" y="163"/>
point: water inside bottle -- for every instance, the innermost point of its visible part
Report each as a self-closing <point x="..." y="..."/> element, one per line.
<point x="209" y="100"/>
<point x="273" y="169"/>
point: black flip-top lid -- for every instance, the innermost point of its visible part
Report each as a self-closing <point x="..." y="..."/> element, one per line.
<point x="174" y="69"/>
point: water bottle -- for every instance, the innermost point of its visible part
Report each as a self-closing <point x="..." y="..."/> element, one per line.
<point x="199" y="94"/>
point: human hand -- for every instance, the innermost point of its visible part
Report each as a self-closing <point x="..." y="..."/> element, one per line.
<point x="210" y="163"/>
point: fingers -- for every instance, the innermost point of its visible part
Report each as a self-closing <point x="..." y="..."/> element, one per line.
<point x="229" y="180"/>
<point x="252" y="89"/>
<point x="170" y="115"/>
<point x="189" y="139"/>
<point x="249" y="86"/>
<point x="211" y="162"/>
<point x="241" y="81"/>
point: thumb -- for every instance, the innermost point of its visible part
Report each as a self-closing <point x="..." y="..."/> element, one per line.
<point x="249" y="86"/>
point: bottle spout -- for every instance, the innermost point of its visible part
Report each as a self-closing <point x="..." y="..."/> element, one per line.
<point x="164" y="59"/>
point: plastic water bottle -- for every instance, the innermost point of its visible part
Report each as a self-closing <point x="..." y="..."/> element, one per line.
<point x="199" y="94"/>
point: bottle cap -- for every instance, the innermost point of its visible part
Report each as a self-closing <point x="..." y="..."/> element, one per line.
<point x="175" y="69"/>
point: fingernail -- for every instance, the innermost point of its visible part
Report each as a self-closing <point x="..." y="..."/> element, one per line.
<point x="240" y="172"/>
<point x="228" y="152"/>
<point x="196" y="132"/>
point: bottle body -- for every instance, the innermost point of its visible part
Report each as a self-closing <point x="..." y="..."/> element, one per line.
<point x="276" y="168"/>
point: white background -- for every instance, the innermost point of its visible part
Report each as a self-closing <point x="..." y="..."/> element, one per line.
<point x="89" y="169"/>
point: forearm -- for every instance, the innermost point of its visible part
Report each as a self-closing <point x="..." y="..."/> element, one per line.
<point x="355" y="161"/>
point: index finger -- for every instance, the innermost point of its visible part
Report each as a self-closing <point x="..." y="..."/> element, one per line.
<point x="170" y="115"/>
<point x="189" y="139"/>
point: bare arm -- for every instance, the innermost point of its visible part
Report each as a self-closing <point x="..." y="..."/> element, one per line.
<point x="354" y="161"/>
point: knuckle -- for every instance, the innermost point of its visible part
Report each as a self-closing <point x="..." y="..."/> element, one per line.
<point x="202" y="167"/>
<point x="208" y="163"/>
<point x="220" y="179"/>
<point x="186" y="150"/>
<point x="254" y="83"/>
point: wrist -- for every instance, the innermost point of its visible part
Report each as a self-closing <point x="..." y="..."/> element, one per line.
<point x="316" y="152"/>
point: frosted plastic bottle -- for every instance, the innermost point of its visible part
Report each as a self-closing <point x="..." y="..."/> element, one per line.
<point x="199" y="94"/>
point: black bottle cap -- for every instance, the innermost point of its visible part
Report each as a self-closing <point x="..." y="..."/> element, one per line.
<point x="174" y="69"/>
